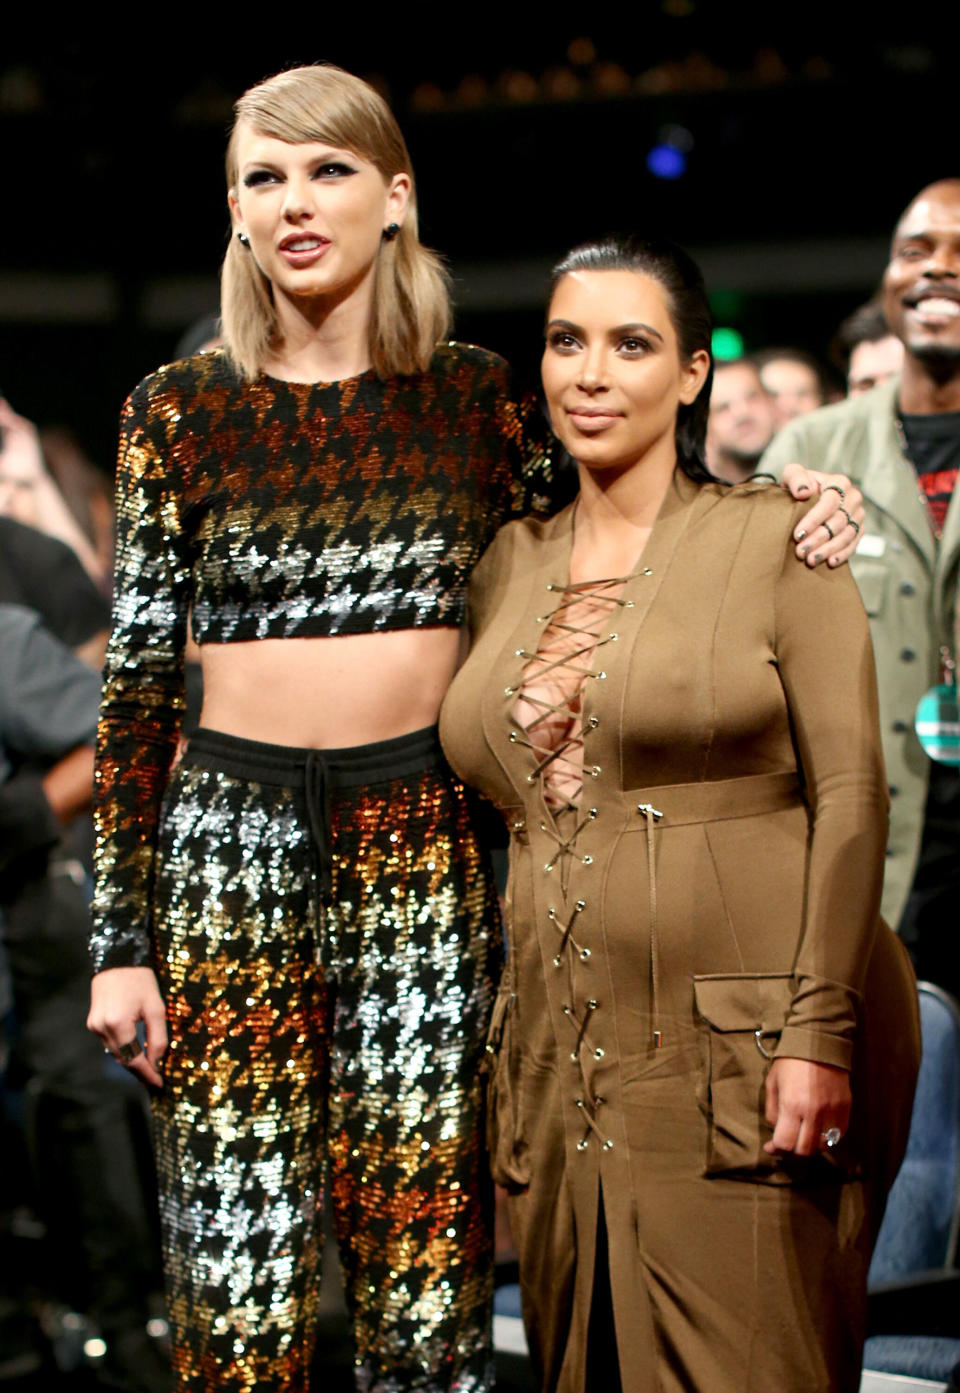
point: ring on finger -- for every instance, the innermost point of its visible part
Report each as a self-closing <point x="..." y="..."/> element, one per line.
<point x="128" y="1051"/>
<point x="837" y="489"/>
<point x="855" y="525"/>
<point x="831" y="1136"/>
<point x="828" y="529"/>
<point x="842" y="509"/>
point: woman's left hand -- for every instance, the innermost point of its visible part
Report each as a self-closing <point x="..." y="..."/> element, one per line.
<point x="804" y="1101"/>
<point x="831" y="530"/>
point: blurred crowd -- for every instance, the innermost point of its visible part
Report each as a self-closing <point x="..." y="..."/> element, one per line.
<point x="79" y="1274"/>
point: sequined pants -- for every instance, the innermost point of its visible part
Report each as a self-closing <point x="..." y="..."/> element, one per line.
<point x="327" y="942"/>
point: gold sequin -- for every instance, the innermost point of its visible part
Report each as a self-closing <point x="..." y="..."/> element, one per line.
<point x="381" y="1041"/>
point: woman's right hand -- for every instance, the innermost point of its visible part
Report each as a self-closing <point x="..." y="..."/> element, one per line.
<point x="120" y="997"/>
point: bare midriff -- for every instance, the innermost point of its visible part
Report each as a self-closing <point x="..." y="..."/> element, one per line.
<point x="327" y="693"/>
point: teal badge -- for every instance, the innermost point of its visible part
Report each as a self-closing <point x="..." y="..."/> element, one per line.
<point x="938" y="723"/>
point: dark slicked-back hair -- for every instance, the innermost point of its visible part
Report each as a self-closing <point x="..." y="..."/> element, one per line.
<point x="682" y="281"/>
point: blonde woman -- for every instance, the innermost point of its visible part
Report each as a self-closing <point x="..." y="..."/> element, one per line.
<point x="302" y="901"/>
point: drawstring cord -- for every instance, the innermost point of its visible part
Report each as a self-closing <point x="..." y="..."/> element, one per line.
<point x="566" y="935"/>
<point x="318" y="813"/>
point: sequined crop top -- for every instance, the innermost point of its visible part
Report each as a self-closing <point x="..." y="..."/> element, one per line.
<point x="275" y="509"/>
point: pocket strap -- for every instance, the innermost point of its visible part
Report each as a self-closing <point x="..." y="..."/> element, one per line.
<point x="653" y="816"/>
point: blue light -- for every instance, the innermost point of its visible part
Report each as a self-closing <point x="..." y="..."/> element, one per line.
<point x="667" y="162"/>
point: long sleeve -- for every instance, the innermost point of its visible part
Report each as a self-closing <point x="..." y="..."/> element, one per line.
<point x="143" y="694"/>
<point x="827" y="670"/>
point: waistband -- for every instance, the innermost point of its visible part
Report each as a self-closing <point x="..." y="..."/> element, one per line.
<point x="288" y="766"/>
<point x="678" y="805"/>
<point x="717" y="800"/>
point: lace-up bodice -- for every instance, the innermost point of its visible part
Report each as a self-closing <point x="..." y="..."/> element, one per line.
<point x="548" y="709"/>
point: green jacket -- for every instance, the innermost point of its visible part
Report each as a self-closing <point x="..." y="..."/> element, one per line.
<point x="908" y="583"/>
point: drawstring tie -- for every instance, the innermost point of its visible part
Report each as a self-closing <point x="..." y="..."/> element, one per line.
<point x="317" y="792"/>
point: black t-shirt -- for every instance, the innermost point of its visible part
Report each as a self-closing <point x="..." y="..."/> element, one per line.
<point x="45" y="575"/>
<point x="933" y="444"/>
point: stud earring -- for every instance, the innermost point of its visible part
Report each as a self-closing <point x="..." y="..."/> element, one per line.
<point x="390" y="231"/>
<point x="243" y="239"/>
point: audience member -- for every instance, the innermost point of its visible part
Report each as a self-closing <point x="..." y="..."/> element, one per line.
<point x="48" y="710"/>
<point x="86" y="490"/>
<point x="742" y="420"/>
<point x="901" y="444"/>
<point x="29" y="493"/>
<point x="46" y="575"/>
<point x="865" y="349"/>
<point x="794" y="379"/>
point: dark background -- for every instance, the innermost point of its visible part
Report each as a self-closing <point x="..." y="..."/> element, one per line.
<point x="808" y="131"/>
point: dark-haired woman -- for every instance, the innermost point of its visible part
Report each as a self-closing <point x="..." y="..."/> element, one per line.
<point x="705" y="1043"/>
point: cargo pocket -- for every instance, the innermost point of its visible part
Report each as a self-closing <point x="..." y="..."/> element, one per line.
<point x="741" y="1017"/>
<point x="509" y="1163"/>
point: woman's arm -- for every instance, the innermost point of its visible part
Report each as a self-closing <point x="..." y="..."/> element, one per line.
<point x="143" y="697"/>
<point x="826" y="666"/>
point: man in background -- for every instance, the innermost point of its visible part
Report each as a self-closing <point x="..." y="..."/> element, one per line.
<point x="866" y="350"/>
<point x="742" y="420"/>
<point x="794" y="379"/>
<point x="89" y="1192"/>
<point x="901" y="444"/>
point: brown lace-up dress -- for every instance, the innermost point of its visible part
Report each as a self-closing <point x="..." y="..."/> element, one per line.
<point x="688" y="762"/>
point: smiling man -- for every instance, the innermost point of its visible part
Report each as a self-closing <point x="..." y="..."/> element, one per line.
<point x="901" y="444"/>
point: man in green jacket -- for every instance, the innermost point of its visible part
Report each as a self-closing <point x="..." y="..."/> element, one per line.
<point x="901" y="444"/>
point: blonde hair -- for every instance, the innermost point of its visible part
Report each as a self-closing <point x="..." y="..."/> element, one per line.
<point x="411" y="296"/>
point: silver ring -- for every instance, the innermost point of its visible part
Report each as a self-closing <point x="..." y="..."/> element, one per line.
<point x="837" y="489"/>
<point x="828" y="529"/>
<point x="855" y="526"/>
<point x="129" y="1051"/>
<point x="831" y="1137"/>
<point x="842" y="509"/>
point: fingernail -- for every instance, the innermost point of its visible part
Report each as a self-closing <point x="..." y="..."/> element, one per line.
<point x="834" y="561"/>
<point x="803" y="488"/>
<point x="817" y="559"/>
<point x="804" y="550"/>
<point x="800" y="534"/>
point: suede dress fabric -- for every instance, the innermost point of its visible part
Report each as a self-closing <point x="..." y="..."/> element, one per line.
<point x="717" y="892"/>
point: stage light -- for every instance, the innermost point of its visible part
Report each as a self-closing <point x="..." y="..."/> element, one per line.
<point x="726" y="343"/>
<point x="667" y="162"/>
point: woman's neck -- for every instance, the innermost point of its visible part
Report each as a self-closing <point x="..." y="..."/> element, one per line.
<point x="616" y="510"/>
<point x="320" y="341"/>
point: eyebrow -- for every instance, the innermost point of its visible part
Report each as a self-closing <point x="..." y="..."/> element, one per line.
<point x="332" y="152"/>
<point x="618" y="329"/>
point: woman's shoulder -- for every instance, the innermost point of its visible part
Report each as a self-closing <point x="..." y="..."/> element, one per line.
<point x="525" y="536"/>
<point x="181" y="385"/>
<point x="521" y="543"/>
<point x="772" y="510"/>
<point x="453" y="358"/>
